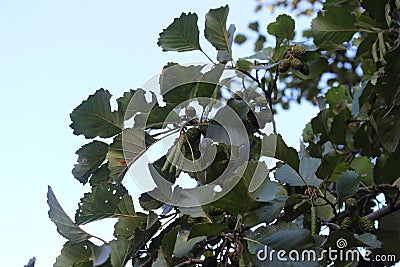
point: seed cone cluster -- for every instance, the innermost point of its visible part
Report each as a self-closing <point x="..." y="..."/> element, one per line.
<point x="294" y="58"/>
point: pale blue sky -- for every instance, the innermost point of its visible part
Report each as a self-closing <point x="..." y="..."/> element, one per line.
<point x="53" y="54"/>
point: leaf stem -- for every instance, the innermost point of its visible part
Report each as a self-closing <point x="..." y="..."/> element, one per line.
<point x="208" y="57"/>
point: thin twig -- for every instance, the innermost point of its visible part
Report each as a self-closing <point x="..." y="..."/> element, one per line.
<point x="208" y="57"/>
<point x="189" y="262"/>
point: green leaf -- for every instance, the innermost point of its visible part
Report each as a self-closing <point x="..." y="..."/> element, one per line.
<point x="321" y="124"/>
<point x="246" y="259"/>
<point x="90" y="156"/>
<point x="105" y="201"/>
<point x="274" y="146"/>
<point x="159" y="117"/>
<point x="93" y="117"/>
<point x="184" y="245"/>
<point x="224" y="56"/>
<point x="177" y="83"/>
<point x="333" y="238"/>
<point x="375" y="9"/>
<point x="389" y="128"/>
<point x="267" y="213"/>
<point x="253" y="26"/>
<point x="259" y="44"/>
<point x="126" y="226"/>
<point x="333" y="2"/>
<point x="134" y="101"/>
<point x="347" y="185"/>
<point x="117" y="164"/>
<point x="337" y="95"/>
<point x="307" y="168"/>
<point x="209" y="85"/>
<point x="281" y="236"/>
<point x="240" y="39"/>
<point x="232" y="131"/>
<point x="335" y="24"/>
<point x="338" y="170"/>
<point x="288" y="239"/>
<point x="121" y="250"/>
<point x="147" y="202"/>
<point x="244" y="65"/>
<point x="365" y="168"/>
<point x="338" y="127"/>
<point x="215" y="29"/>
<point x="167" y="248"/>
<point x="73" y="253"/>
<point x="283" y="27"/>
<point x="100" y="175"/>
<point x="181" y="35"/>
<point x="239" y="200"/>
<point x="355" y="108"/>
<point x="125" y="150"/>
<point x="65" y="226"/>
<point x="369" y="239"/>
<point x="324" y="210"/>
<point x="207" y="229"/>
<point x="263" y="54"/>
<point x="388" y="233"/>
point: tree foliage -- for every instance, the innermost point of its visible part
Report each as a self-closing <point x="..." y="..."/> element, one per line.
<point x="221" y="128"/>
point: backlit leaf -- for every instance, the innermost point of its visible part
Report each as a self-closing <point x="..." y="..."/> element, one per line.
<point x="93" y="117"/>
<point x="181" y="35"/>
<point x="215" y="30"/>
<point x="90" y="158"/>
<point x="65" y="226"/>
<point x="105" y="201"/>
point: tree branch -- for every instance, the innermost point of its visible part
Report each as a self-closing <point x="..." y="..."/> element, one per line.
<point x="189" y="262"/>
<point x="384" y="211"/>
